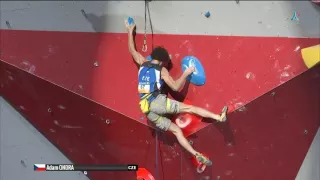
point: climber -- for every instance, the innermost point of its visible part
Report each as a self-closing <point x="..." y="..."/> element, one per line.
<point x="152" y="75"/>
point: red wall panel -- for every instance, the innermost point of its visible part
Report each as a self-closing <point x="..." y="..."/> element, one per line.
<point x="267" y="139"/>
<point x="239" y="69"/>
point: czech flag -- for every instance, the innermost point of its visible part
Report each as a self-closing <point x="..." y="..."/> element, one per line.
<point x="39" y="167"/>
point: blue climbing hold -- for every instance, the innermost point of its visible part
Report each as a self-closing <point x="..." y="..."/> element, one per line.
<point x="149" y="58"/>
<point x="207" y="14"/>
<point x="130" y="20"/>
<point x="198" y="77"/>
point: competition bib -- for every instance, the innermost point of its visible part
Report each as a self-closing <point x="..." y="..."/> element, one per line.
<point x="144" y="88"/>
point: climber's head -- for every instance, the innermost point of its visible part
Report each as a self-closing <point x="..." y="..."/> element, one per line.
<point x="161" y="54"/>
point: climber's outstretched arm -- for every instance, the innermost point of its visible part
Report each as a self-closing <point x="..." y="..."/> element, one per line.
<point x="175" y="84"/>
<point x="138" y="58"/>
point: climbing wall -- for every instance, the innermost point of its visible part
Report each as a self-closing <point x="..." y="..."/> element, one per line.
<point x="61" y="68"/>
<point x="22" y="146"/>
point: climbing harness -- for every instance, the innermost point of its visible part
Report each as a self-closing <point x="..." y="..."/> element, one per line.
<point x="144" y="104"/>
<point x="144" y="101"/>
<point x="146" y="9"/>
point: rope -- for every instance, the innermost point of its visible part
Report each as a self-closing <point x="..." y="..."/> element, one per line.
<point x="150" y="22"/>
<point x="144" y="49"/>
<point x="147" y="10"/>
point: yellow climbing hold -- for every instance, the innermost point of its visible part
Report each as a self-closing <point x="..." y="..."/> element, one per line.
<point x="311" y="55"/>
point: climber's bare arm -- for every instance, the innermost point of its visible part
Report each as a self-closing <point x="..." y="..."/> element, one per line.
<point x="175" y="84"/>
<point x="138" y="58"/>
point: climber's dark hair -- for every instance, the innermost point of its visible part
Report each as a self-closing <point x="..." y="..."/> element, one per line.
<point x="161" y="54"/>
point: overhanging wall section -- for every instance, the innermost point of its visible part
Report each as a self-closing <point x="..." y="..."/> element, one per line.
<point x="77" y="126"/>
<point x="268" y="138"/>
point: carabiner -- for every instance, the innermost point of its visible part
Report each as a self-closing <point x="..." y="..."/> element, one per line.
<point x="144" y="46"/>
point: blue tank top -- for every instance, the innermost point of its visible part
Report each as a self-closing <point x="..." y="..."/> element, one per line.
<point x="149" y="79"/>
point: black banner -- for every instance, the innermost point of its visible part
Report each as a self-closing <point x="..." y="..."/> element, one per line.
<point x="91" y="167"/>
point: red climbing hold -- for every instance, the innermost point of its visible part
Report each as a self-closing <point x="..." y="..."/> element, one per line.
<point x="187" y="122"/>
<point x="143" y="174"/>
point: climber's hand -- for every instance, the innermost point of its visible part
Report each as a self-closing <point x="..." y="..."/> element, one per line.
<point x="190" y="70"/>
<point x="129" y="27"/>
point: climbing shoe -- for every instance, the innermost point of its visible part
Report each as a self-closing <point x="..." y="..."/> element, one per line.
<point x="204" y="160"/>
<point x="224" y="114"/>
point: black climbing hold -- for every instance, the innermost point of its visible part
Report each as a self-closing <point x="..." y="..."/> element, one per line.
<point x="84" y="13"/>
<point x="23" y="163"/>
<point x="8" y="24"/>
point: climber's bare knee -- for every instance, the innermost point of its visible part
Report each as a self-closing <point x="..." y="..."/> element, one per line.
<point x="186" y="108"/>
<point x="175" y="129"/>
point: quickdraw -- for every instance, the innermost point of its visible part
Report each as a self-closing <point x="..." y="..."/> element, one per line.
<point x="145" y="46"/>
